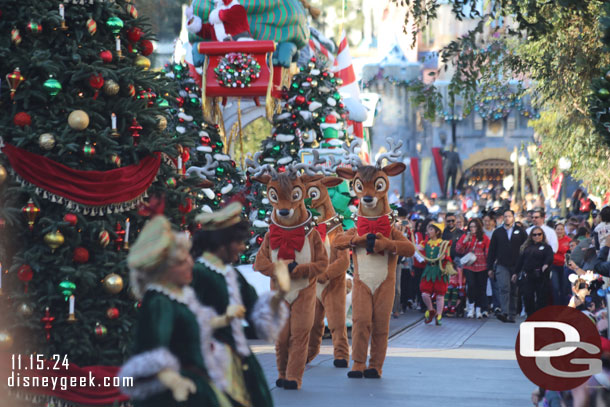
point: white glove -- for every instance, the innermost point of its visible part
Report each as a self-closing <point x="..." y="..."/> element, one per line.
<point x="180" y="386"/>
<point x="193" y="22"/>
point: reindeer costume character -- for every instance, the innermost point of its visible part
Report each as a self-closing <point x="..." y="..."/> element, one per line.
<point x="376" y="247"/>
<point x="330" y="289"/>
<point x="291" y="238"/>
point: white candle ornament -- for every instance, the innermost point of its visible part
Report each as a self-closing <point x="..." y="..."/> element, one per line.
<point x="61" y="11"/>
<point x="72" y="304"/>
<point x="118" y="44"/>
<point x="113" y="119"/>
<point x="127" y="231"/>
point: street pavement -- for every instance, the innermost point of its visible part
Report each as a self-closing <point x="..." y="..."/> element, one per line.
<point x="464" y="362"/>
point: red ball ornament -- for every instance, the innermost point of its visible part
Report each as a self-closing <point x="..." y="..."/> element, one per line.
<point x="146" y="47"/>
<point x="112" y="313"/>
<point x="259" y="239"/>
<point x="134" y="34"/>
<point x="25" y="273"/>
<point x="70" y="218"/>
<point x="300" y="99"/>
<point x="22" y="119"/>
<point x="81" y="255"/>
<point x="106" y="56"/>
<point x="96" y="82"/>
<point x="331" y="119"/>
<point x="205" y="140"/>
<point x="180" y="101"/>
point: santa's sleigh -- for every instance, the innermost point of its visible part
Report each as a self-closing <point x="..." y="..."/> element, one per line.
<point x="245" y="102"/>
<point x="267" y="85"/>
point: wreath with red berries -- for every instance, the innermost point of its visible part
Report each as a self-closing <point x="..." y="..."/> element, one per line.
<point x="237" y="70"/>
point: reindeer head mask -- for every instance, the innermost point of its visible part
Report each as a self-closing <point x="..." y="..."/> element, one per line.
<point x="286" y="191"/>
<point x="371" y="183"/>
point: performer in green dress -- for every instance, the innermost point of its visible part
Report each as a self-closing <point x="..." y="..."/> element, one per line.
<point x="218" y="284"/>
<point x="175" y="359"/>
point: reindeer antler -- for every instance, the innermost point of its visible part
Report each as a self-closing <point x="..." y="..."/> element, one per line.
<point x="205" y="172"/>
<point x="393" y="154"/>
<point x="256" y="169"/>
<point x="313" y="168"/>
<point x="352" y="157"/>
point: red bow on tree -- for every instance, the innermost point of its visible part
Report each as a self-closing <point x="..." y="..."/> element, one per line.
<point x="286" y="240"/>
<point x="374" y="226"/>
<point x="322" y="229"/>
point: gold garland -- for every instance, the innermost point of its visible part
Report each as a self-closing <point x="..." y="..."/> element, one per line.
<point x="269" y="103"/>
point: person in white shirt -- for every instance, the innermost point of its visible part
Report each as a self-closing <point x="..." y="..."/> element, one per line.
<point x="551" y="236"/>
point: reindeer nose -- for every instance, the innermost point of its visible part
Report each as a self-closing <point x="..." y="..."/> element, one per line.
<point x="367" y="199"/>
<point x="284" y="212"/>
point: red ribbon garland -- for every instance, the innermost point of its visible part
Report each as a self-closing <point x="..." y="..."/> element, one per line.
<point x="374" y="226"/>
<point x="90" y="188"/>
<point x="286" y="240"/>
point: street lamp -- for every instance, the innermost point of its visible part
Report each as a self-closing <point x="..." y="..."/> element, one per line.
<point x="514" y="156"/>
<point x="564" y="166"/>
<point x="522" y="163"/>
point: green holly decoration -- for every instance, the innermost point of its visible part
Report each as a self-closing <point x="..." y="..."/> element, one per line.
<point x="220" y="171"/>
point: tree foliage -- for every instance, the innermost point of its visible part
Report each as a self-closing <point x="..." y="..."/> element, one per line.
<point x="554" y="49"/>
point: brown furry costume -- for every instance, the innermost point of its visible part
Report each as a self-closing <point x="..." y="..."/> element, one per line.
<point x="330" y="291"/>
<point x="376" y="247"/>
<point x="290" y="216"/>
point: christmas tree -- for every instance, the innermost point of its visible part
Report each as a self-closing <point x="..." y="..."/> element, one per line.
<point x="188" y="120"/>
<point x="85" y="142"/>
<point x="312" y="116"/>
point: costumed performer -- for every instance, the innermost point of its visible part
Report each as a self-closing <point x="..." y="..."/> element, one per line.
<point x="175" y="359"/>
<point x="217" y="246"/>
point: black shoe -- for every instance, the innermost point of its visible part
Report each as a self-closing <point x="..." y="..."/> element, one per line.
<point x="502" y="317"/>
<point x="290" y="385"/>
<point x="497" y="310"/>
<point x="340" y="363"/>
<point x="354" y="374"/>
<point x="279" y="382"/>
<point x="371" y="374"/>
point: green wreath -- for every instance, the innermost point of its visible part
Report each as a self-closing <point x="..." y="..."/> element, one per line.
<point x="237" y="70"/>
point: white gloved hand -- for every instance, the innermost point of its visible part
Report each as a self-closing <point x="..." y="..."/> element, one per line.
<point x="180" y="386"/>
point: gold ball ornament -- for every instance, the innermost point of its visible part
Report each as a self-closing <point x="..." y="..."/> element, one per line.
<point x="3" y="174"/>
<point x="54" y="240"/>
<point x="111" y="88"/>
<point x="6" y="340"/>
<point x="78" y="120"/>
<point x="46" y="141"/>
<point x="113" y="283"/>
<point x="25" y="310"/>
<point x="142" y="62"/>
<point x="161" y="122"/>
